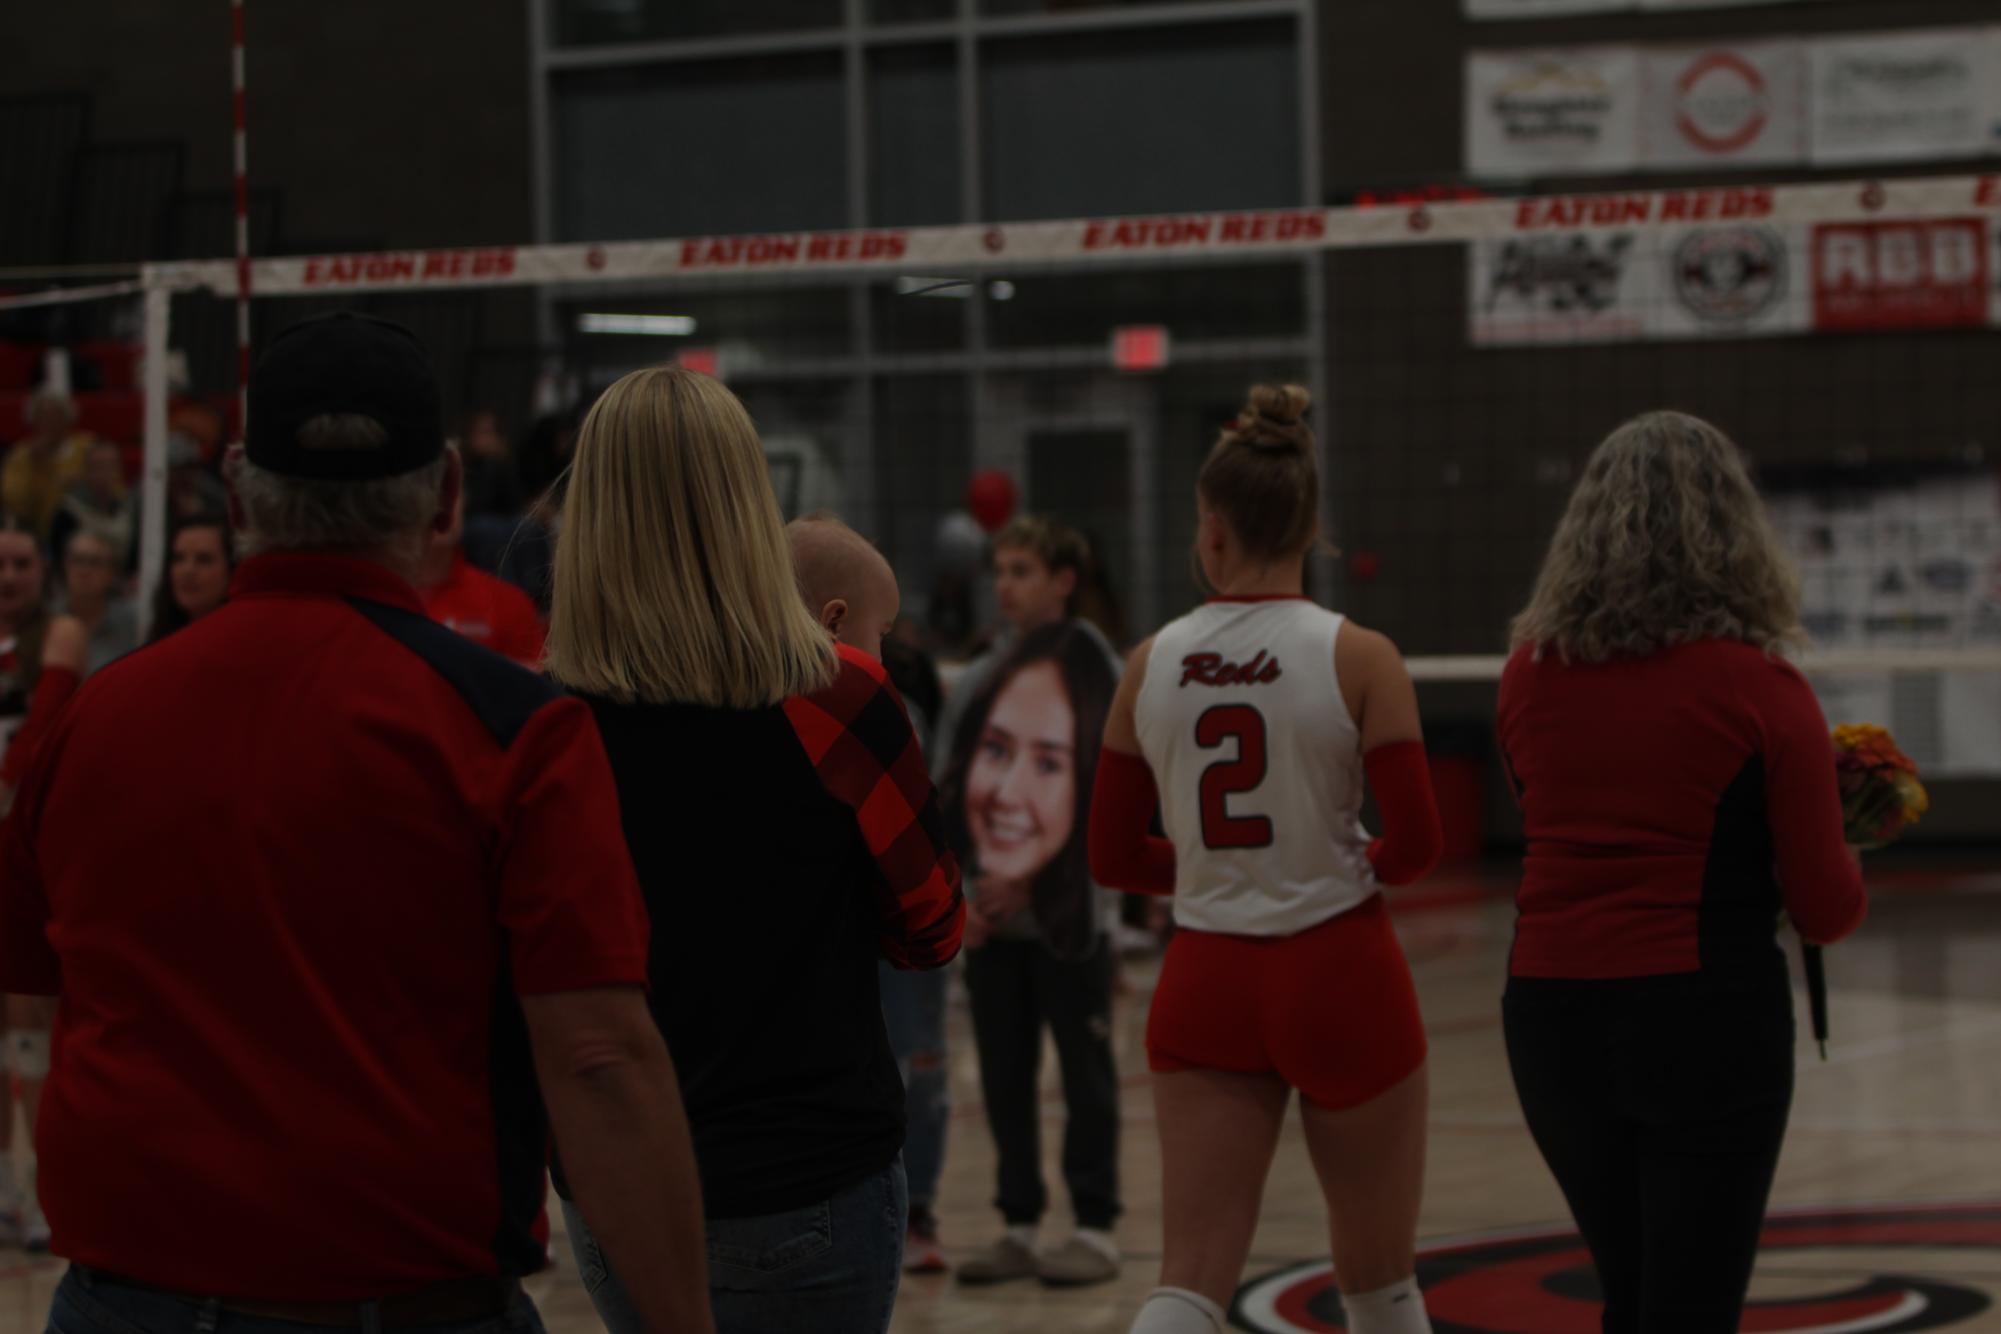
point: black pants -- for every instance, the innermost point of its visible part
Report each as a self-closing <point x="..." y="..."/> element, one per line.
<point x="1017" y="987"/>
<point x="1659" y="1104"/>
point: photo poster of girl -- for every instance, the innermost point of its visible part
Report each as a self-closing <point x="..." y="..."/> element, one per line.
<point x="1017" y="785"/>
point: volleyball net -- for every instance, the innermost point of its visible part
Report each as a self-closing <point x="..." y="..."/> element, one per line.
<point x="1465" y="356"/>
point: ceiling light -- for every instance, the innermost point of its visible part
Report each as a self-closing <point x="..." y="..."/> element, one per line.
<point x="657" y="326"/>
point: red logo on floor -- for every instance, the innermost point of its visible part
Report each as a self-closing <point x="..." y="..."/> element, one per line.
<point x="1540" y="1281"/>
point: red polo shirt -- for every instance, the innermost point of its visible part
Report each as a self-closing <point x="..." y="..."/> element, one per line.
<point x="288" y="871"/>
<point x="489" y="611"/>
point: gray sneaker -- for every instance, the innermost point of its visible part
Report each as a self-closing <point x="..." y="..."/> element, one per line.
<point x="1075" y="1264"/>
<point x="1002" y="1262"/>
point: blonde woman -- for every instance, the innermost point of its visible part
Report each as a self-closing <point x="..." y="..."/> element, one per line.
<point x="1677" y="789"/>
<point x="778" y="810"/>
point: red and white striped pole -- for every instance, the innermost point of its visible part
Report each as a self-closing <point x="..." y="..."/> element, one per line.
<point x="240" y="109"/>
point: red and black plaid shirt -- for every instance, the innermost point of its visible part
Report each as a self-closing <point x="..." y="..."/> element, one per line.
<point x="862" y="746"/>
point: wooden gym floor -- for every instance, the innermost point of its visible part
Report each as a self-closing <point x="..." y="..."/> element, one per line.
<point x="1887" y="1212"/>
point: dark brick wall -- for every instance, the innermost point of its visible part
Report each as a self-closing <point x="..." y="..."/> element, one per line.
<point x="405" y="124"/>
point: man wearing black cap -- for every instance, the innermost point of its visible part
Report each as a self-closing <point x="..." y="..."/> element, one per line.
<point x="366" y="888"/>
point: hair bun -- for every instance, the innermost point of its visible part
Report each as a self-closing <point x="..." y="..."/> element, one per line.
<point x="1273" y="420"/>
<point x="1281" y="403"/>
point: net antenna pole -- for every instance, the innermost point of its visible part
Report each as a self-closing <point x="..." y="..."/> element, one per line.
<point x="153" y="475"/>
<point x="240" y="111"/>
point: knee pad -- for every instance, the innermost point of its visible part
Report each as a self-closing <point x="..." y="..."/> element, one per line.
<point x="27" y="1052"/>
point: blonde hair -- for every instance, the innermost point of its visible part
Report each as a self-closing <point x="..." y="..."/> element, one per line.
<point x="673" y="578"/>
<point x="1665" y="541"/>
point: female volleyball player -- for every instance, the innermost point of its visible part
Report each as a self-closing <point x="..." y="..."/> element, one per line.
<point x="1678" y="790"/>
<point x="1253" y="721"/>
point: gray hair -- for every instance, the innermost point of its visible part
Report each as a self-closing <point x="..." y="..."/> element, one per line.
<point x="388" y="515"/>
<point x="1665" y="541"/>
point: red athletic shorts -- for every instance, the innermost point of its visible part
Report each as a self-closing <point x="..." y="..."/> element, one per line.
<point x="1331" y="1011"/>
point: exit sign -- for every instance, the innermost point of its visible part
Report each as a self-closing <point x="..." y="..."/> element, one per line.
<point x="1140" y="347"/>
<point x="700" y="359"/>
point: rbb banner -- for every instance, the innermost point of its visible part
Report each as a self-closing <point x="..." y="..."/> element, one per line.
<point x="1733" y="281"/>
<point x="1885" y="97"/>
<point x="1900" y="275"/>
<point x="1552" y="112"/>
<point x="1723" y="105"/>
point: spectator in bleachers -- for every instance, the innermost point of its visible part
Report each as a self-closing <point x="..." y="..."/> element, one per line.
<point x="94" y="614"/>
<point x="24" y="1053"/>
<point x="201" y="557"/>
<point x="193" y="488"/>
<point x="99" y="503"/>
<point x="493" y="483"/>
<point x="43" y="464"/>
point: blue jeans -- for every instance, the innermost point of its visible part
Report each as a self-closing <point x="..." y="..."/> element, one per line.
<point x="831" y="1268"/>
<point x="913" y="1008"/>
<point x="87" y="1304"/>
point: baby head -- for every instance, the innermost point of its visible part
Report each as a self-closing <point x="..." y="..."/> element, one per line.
<point x="845" y="581"/>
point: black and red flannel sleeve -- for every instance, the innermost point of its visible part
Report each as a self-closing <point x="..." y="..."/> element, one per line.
<point x="865" y="752"/>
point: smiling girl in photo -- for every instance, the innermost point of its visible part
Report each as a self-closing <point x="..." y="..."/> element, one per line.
<point x="1017" y="785"/>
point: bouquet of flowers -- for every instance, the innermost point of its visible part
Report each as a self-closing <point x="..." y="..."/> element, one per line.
<point x="1880" y="792"/>
<point x="1881" y="797"/>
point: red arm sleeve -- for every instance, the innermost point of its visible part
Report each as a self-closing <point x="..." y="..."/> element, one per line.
<point x="1820" y="880"/>
<point x="52" y="691"/>
<point x="568" y="900"/>
<point x="1124" y="855"/>
<point x="1400" y="777"/>
<point x="862" y="746"/>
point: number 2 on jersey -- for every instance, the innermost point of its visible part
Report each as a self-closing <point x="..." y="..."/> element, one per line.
<point x="1220" y="829"/>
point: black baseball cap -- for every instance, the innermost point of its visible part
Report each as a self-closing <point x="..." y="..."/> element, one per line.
<point x="345" y="363"/>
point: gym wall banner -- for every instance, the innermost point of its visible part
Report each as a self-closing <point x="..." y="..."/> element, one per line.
<point x="1742" y="104"/>
<point x="1553" y="112"/>
<point x="1742" y="280"/>
<point x="1861" y="98"/>
<point x="1753" y="279"/>
<point x="1891" y="97"/>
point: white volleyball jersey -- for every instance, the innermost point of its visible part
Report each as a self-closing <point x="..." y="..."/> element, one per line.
<point x="1259" y="767"/>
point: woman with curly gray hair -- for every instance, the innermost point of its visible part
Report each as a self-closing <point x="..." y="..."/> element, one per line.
<point x="1677" y="787"/>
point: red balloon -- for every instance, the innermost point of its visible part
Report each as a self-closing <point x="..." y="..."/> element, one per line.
<point x="991" y="497"/>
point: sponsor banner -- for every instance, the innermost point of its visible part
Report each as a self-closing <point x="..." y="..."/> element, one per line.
<point x="1732" y="282"/>
<point x="1890" y="564"/>
<point x="1145" y="240"/>
<point x="1736" y="105"/>
<point x="1991" y="63"/>
<point x="1901" y="274"/>
<point x="1737" y="281"/>
<point x="1552" y="112"/>
<point x="1888" y="97"/>
<point x="1994" y="275"/>
<point x="1573" y="288"/>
